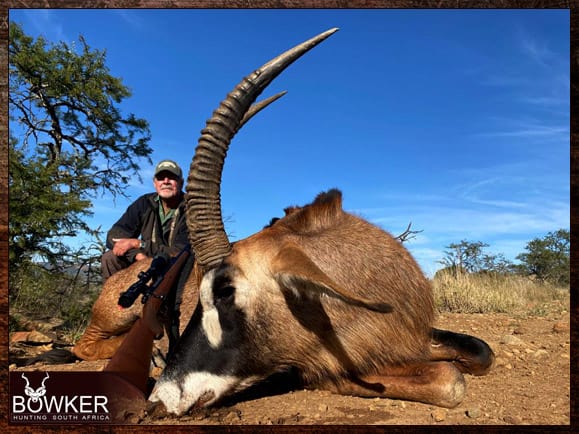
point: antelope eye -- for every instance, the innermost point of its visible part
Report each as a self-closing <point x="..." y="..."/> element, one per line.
<point x="224" y="293"/>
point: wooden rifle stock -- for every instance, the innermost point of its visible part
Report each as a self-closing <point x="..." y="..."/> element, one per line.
<point x="131" y="362"/>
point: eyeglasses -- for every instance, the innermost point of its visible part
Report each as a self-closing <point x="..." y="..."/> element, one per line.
<point x="162" y="175"/>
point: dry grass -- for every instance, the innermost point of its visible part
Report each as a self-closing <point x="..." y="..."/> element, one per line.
<point x="486" y="293"/>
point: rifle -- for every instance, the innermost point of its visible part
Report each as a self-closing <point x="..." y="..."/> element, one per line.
<point x="155" y="273"/>
<point x="131" y="362"/>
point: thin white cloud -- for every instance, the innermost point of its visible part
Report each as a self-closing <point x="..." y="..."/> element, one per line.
<point x="489" y="223"/>
<point x="536" y="50"/>
<point x="499" y="203"/>
<point x="428" y="259"/>
<point x="540" y="86"/>
<point x="543" y="100"/>
<point x="531" y="131"/>
<point x="506" y="233"/>
<point x="505" y="80"/>
<point x="46" y="24"/>
<point x="130" y="17"/>
<point x="507" y="191"/>
<point x="504" y="211"/>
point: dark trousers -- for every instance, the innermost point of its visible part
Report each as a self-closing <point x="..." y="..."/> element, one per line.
<point x="111" y="263"/>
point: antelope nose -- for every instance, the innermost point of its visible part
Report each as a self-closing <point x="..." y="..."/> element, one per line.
<point x="156" y="410"/>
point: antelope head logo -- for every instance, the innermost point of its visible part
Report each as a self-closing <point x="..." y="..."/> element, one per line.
<point x="35" y="395"/>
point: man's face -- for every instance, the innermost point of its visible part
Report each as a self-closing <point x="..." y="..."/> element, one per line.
<point x="167" y="185"/>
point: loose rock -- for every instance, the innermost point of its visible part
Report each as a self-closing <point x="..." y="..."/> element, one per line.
<point x="513" y="420"/>
<point x="511" y="340"/>
<point x="473" y="412"/>
<point x="438" y="415"/>
<point x="560" y="327"/>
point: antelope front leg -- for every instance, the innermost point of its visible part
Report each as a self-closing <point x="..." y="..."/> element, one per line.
<point x="437" y="383"/>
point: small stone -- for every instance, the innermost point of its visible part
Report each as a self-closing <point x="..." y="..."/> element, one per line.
<point x="438" y="415"/>
<point x="560" y="327"/>
<point x="473" y="412"/>
<point x="541" y="354"/>
<point x="511" y="340"/>
<point x="232" y="416"/>
<point x="513" y="420"/>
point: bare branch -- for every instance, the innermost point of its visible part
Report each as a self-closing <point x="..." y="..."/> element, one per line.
<point x="407" y="234"/>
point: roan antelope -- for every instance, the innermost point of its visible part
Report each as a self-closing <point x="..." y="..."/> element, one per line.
<point x="320" y="291"/>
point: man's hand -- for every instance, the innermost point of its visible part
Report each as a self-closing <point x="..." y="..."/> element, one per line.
<point x="140" y="256"/>
<point x="123" y="245"/>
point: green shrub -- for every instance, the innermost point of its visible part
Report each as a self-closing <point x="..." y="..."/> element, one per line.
<point x="41" y="294"/>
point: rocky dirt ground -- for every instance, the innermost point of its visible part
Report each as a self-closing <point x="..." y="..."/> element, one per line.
<point x="529" y="385"/>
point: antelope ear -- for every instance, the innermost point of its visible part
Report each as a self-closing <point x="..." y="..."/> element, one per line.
<point x="294" y="269"/>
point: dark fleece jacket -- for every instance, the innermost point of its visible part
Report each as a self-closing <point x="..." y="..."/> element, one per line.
<point x="142" y="219"/>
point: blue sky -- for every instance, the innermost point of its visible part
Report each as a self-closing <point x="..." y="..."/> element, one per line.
<point x="454" y="120"/>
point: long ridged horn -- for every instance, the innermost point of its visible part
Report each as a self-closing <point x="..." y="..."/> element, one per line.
<point x="257" y="107"/>
<point x="204" y="220"/>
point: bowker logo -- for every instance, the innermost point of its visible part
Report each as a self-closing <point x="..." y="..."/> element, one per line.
<point x="37" y="405"/>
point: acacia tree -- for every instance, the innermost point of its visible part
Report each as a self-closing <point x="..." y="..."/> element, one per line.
<point x="464" y="256"/>
<point x="69" y="141"/>
<point x="548" y="258"/>
<point x="471" y="257"/>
